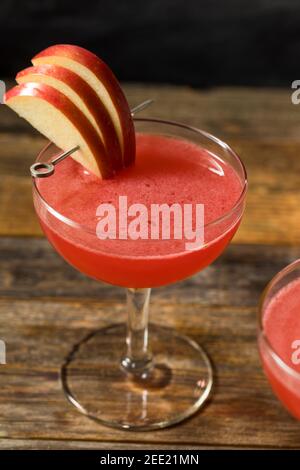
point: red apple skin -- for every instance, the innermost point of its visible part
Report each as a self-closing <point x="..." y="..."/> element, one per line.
<point x="106" y="76"/>
<point x="91" y="100"/>
<point x="72" y="113"/>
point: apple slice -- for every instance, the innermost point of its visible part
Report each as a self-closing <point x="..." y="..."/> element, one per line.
<point x="99" y="76"/>
<point x="83" y="96"/>
<point x="57" y="118"/>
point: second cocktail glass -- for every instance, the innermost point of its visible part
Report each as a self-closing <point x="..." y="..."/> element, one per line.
<point x="277" y="329"/>
<point x="156" y="377"/>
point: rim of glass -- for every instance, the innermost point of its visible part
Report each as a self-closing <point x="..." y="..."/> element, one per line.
<point x="207" y="135"/>
<point x="281" y="274"/>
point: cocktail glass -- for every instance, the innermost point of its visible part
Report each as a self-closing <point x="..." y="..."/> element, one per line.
<point x="140" y="376"/>
<point x="284" y="380"/>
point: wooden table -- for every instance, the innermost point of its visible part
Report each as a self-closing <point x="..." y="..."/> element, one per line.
<point x="46" y="306"/>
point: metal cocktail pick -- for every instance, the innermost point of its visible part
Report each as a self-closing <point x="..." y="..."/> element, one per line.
<point x="43" y="169"/>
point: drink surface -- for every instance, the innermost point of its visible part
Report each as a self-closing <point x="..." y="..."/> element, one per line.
<point x="167" y="170"/>
<point x="281" y="324"/>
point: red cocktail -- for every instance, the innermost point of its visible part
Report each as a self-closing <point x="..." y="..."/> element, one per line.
<point x="167" y="171"/>
<point x="174" y="164"/>
<point x="279" y="336"/>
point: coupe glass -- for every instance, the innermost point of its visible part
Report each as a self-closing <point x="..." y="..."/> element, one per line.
<point x="139" y="376"/>
<point x="284" y="380"/>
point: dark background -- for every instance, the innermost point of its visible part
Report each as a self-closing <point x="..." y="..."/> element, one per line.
<point x="200" y="43"/>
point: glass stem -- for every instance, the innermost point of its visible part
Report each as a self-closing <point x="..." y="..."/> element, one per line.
<point x="138" y="358"/>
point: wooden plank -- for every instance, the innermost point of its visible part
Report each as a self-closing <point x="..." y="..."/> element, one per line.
<point x="262" y="125"/>
<point x="216" y="307"/>
<point x="39" y="444"/>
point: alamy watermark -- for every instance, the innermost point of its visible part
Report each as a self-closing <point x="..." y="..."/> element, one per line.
<point x="157" y="222"/>
<point x="2" y="91"/>
<point x="295" y="358"/>
<point x="2" y="352"/>
<point x="295" y="96"/>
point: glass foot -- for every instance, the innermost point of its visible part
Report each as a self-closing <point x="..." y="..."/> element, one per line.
<point x="176" y="386"/>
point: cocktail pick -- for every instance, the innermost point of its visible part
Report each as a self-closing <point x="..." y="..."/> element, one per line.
<point x="140" y="107"/>
<point x="43" y="169"/>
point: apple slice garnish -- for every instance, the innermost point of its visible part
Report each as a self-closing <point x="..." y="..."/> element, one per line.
<point x="99" y="76"/>
<point x="61" y="121"/>
<point x="84" y="97"/>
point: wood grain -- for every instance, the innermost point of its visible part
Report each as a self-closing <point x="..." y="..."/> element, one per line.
<point x="45" y="307"/>
<point x="39" y="444"/>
